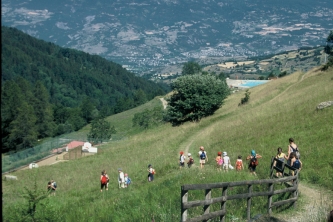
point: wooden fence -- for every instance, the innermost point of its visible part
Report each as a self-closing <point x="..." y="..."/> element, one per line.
<point x="208" y="200"/>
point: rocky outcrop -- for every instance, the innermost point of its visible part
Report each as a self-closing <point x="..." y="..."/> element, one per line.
<point x="323" y="105"/>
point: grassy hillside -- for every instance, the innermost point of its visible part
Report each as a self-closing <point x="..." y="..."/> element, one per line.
<point x="277" y="110"/>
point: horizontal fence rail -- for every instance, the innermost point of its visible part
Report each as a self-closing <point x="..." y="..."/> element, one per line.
<point x="205" y="203"/>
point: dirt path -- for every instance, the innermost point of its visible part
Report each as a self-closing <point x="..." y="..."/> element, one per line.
<point x="49" y="161"/>
<point x="164" y="102"/>
<point x="314" y="205"/>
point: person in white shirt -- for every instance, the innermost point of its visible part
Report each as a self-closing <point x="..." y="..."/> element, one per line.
<point x="121" y="178"/>
<point x="181" y="159"/>
<point x="226" y="161"/>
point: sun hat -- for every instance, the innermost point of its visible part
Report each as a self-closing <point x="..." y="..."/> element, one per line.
<point x="253" y="153"/>
<point x="181" y="152"/>
<point x="219" y="153"/>
<point x="225" y="154"/>
<point x="189" y="154"/>
<point x="119" y="169"/>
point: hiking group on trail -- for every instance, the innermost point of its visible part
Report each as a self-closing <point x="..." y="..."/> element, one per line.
<point x="293" y="158"/>
<point x="223" y="161"/>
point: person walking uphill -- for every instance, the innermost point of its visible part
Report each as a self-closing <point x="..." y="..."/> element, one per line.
<point x="292" y="148"/>
<point x="253" y="161"/>
<point x="104" y="180"/>
<point x="121" y="178"/>
<point x="226" y="161"/>
<point x="190" y="160"/>
<point x="219" y="161"/>
<point x="281" y="157"/>
<point x="203" y="156"/>
<point x="151" y="173"/>
<point x="181" y="159"/>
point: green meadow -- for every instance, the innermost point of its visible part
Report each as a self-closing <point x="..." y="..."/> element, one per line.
<point x="276" y="111"/>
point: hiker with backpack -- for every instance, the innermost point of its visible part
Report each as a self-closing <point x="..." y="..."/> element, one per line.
<point x="203" y="156"/>
<point x="151" y="172"/>
<point x="253" y="161"/>
<point x="181" y="160"/>
<point x="292" y="148"/>
<point x="239" y="164"/>
<point x="219" y="161"/>
<point x="190" y="160"/>
<point x="295" y="163"/>
<point x="104" y="180"/>
<point x="121" y="178"/>
<point x="50" y="188"/>
<point x="278" y="164"/>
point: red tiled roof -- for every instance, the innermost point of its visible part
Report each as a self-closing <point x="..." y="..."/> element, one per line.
<point x="74" y="144"/>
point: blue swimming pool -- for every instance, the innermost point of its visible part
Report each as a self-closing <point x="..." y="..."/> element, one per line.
<point x="252" y="83"/>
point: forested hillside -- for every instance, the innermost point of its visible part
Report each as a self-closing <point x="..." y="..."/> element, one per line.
<point x="47" y="90"/>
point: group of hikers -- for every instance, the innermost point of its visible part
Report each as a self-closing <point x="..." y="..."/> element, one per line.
<point x="123" y="180"/>
<point x="293" y="158"/>
<point x="223" y="161"/>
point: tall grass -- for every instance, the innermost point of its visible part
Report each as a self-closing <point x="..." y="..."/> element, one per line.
<point x="276" y="111"/>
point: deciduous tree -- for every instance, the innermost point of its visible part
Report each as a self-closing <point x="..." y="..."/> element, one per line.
<point x="194" y="97"/>
<point x="100" y="131"/>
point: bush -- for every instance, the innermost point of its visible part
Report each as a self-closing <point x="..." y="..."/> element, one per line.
<point x="246" y="98"/>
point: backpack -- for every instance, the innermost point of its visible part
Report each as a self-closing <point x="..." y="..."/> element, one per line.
<point x="55" y="184"/>
<point x="254" y="161"/>
<point x="104" y="180"/>
<point x="238" y="164"/>
<point x="191" y="161"/>
<point x="203" y="155"/>
<point x="296" y="164"/>
<point x="295" y="150"/>
<point x="129" y="180"/>
<point x="220" y="162"/>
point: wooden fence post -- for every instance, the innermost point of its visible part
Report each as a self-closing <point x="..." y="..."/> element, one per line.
<point x="270" y="189"/>
<point x="248" y="210"/>
<point x="272" y="168"/>
<point x="184" y="197"/>
<point x="295" y="184"/>
<point x="224" y="203"/>
<point x="208" y="194"/>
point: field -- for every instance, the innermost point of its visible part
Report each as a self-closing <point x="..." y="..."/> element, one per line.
<point x="276" y="111"/>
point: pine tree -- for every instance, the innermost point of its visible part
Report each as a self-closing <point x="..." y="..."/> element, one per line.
<point x="23" y="133"/>
<point x="43" y="111"/>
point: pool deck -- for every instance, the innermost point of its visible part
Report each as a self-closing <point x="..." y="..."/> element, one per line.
<point x="235" y="83"/>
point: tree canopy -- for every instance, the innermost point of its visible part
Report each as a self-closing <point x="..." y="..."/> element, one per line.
<point x="194" y="97"/>
<point x="191" y="68"/>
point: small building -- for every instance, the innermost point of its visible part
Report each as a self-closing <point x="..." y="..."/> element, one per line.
<point x="88" y="148"/>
